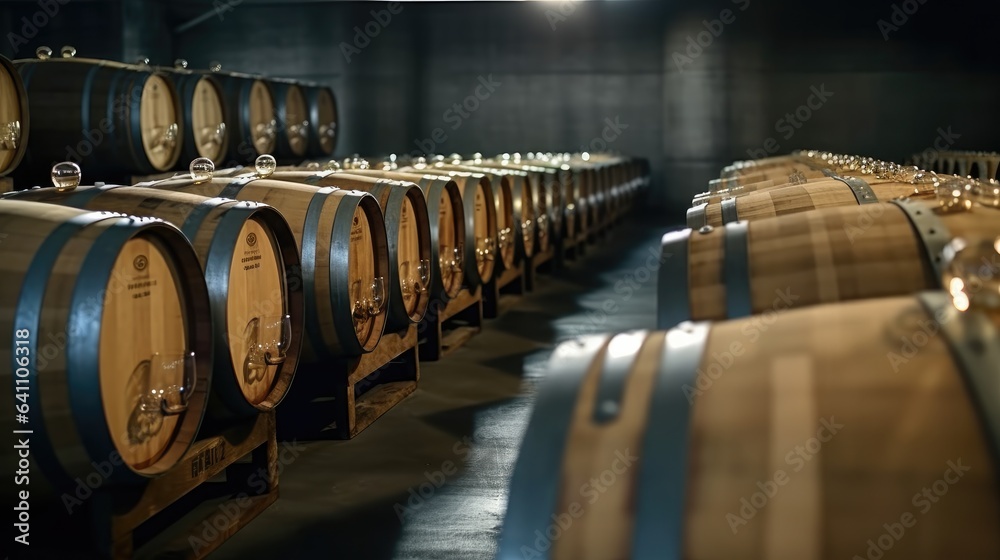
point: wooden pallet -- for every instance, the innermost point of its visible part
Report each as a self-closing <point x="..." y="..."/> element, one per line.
<point x="446" y="329"/>
<point x="341" y="398"/>
<point x="503" y="291"/>
<point x="249" y="489"/>
<point x="6" y="184"/>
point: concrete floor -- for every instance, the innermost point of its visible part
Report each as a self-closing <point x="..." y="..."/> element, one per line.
<point x="429" y="479"/>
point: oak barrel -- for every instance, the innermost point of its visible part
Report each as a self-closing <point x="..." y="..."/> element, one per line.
<point x="828" y="432"/>
<point x="480" y="222"/>
<point x="591" y="175"/>
<point x="251" y="116"/>
<point x="547" y="192"/>
<point x="250" y="260"/>
<point x="322" y="120"/>
<point x="14" y="121"/>
<point x="407" y="231"/>
<point x="503" y="203"/>
<point x="444" y="200"/>
<point x="293" y="123"/>
<point x="548" y="203"/>
<point x="105" y="340"/>
<point x="569" y="193"/>
<point x="841" y="191"/>
<point x="204" y="110"/>
<point x="823" y="256"/>
<point x="516" y="237"/>
<point x="343" y="249"/>
<point x="113" y="118"/>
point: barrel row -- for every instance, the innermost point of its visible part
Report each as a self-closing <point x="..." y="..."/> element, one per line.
<point x="121" y="119"/>
<point x="865" y="229"/>
<point x="204" y="292"/>
<point x="824" y="374"/>
<point x="513" y="207"/>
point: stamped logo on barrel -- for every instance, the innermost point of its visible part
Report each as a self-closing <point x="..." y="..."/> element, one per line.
<point x="251" y="239"/>
<point x="140" y="263"/>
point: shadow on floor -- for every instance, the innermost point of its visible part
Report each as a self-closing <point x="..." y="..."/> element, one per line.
<point x="428" y="480"/>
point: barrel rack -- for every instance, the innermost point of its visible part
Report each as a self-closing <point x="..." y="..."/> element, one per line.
<point x="338" y="399"/>
<point x="446" y="328"/>
<point x="250" y="487"/>
<point x="504" y="290"/>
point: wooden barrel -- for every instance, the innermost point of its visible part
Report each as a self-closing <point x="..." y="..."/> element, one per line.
<point x="841" y="191"/>
<point x="823" y="256"/>
<point x="251" y="116"/>
<point x="343" y="248"/>
<point x="112" y="118"/>
<point x="547" y="197"/>
<point x="503" y="202"/>
<point x="591" y="176"/>
<point x="516" y="237"/>
<point x="612" y="181"/>
<point x="567" y="191"/>
<point x="480" y="223"/>
<point x="444" y="200"/>
<point x="250" y="260"/>
<point x="292" y="115"/>
<point x="582" y="188"/>
<point x="748" y="167"/>
<point x="542" y="191"/>
<point x="721" y="189"/>
<point x="788" y="173"/>
<point x="322" y="120"/>
<point x="408" y="232"/>
<point x="203" y="106"/>
<point x="825" y="433"/>
<point x="14" y="121"/>
<point x="106" y="331"/>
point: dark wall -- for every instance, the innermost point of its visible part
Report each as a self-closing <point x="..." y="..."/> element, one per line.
<point x="94" y="27"/>
<point x="376" y="88"/>
<point x="461" y="77"/>
<point x="560" y="73"/>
